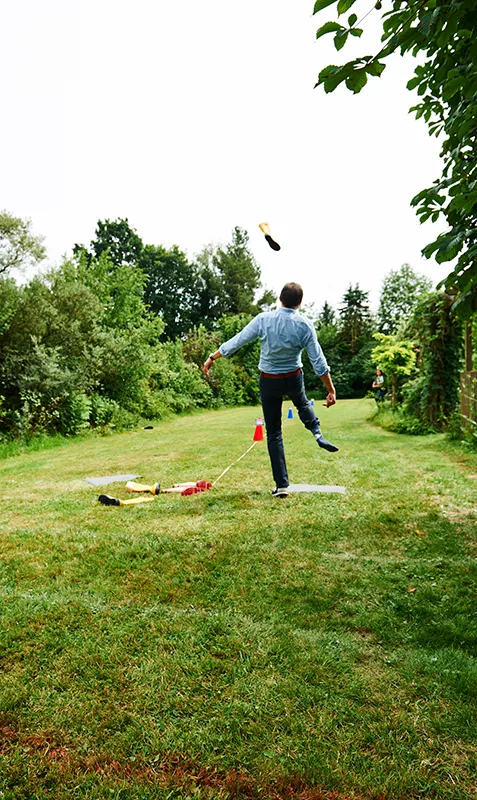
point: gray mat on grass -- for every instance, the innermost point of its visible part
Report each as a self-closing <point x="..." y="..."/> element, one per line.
<point x="110" y="479"/>
<point x="308" y="487"/>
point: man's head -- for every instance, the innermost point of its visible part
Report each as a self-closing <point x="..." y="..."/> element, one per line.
<point x="291" y="295"/>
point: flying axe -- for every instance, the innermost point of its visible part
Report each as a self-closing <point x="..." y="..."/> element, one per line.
<point x="265" y="228"/>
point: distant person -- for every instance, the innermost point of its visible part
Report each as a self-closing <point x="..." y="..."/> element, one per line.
<point x="378" y="386"/>
<point x="283" y="334"/>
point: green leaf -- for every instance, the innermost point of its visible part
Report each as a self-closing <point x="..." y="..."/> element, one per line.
<point x="344" y="5"/>
<point x="467" y="126"/>
<point x="331" y="77"/>
<point x="419" y="111"/>
<point x="329" y="27"/>
<point x="464" y="201"/>
<point x="450" y="88"/>
<point x="466" y="304"/>
<point x="321" y="4"/>
<point x="413" y="83"/>
<point x="340" y="40"/>
<point x="449" y="247"/>
<point x="471" y="253"/>
<point x="352" y="20"/>
<point x="375" y="68"/>
<point x="466" y="278"/>
<point x="356" y="31"/>
<point x="429" y="249"/>
<point x="357" y="80"/>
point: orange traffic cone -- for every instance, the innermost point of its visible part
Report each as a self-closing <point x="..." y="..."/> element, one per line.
<point x="258" y="435"/>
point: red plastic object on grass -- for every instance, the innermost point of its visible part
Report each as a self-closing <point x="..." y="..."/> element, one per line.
<point x="201" y="486"/>
<point x="258" y="435"/>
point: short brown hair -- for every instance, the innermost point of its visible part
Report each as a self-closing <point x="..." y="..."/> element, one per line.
<point x="291" y="295"/>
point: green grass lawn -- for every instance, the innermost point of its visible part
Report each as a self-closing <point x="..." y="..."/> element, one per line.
<point x="233" y="645"/>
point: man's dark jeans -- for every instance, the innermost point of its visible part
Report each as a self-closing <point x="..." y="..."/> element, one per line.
<point x="272" y="392"/>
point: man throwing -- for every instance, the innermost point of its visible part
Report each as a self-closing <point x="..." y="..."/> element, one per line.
<point x="283" y="335"/>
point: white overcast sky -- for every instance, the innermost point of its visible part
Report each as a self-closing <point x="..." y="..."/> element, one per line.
<point x="189" y="118"/>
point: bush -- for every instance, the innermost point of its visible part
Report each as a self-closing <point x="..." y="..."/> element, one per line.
<point x="74" y="414"/>
<point x="398" y="421"/>
<point x="35" y="415"/>
<point x="231" y="381"/>
<point x="457" y="432"/>
<point x="103" y="411"/>
<point x="434" y="395"/>
<point x="124" y="420"/>
<point x="244" y="362"/>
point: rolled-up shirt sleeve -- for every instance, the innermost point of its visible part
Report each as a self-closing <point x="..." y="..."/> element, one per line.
<point x="246" y="335"/>
<point x="315" y="354"/>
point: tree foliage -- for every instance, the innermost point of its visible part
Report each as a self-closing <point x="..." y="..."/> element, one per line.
<point x="19" y="247"/>
<point x="172" y="288"/>
<point x="346" y="340"/>
<point x="185" y="294"/>
<point x="395" y="357"/>
<point x="434" y="395"/>
<point x="354" y="320"/>
<point x="116" y="239"/>
<point x="119" y="288"/>
<point x="115" y="333"/>
<point x="400" y="294"/>
<point x="444" y="32"/>
<point x="326" y="315"/>
<point x="239" y="277"/>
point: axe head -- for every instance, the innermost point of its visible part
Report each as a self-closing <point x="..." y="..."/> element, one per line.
<point x="107" y="500"/>
<point x="265" y="228"/>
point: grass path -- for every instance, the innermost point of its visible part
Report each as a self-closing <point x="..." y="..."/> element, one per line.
<point x="233" y="645"/>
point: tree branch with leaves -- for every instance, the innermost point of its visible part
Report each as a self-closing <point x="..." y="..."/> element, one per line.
<point x="395" y="357"/>
<point x="445" y="32"/>
<point x="19" y="247"/>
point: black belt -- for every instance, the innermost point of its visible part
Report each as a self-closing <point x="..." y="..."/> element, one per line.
<point x="282" y="375"/>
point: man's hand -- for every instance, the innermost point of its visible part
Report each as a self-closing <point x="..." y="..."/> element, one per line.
<point x="213" y="357"/>
<point x="207" y="366"/>
<point x="330" y="399"/>
<point x="329" y="386"/>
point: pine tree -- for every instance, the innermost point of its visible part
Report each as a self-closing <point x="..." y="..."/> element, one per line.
<point x="326" y="315"/>
<point x="239" y="275"/>
<point x="355" y="322"/>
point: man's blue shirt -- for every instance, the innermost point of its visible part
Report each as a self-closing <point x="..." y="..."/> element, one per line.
<point x="283" y="335"/>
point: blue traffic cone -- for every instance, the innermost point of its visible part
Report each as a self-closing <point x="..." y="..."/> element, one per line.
<point x="290" y="413"/>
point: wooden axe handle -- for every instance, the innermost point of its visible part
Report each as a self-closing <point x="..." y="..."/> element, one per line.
<point x="131" y="486"/>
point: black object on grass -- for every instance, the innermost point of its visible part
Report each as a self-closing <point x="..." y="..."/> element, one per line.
<point x="107" y="500"/>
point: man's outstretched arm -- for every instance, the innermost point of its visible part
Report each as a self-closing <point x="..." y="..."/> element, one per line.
<point x="328" y="383"/>
<point x="320" y="366"/>
<point x="246" y="335"/>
